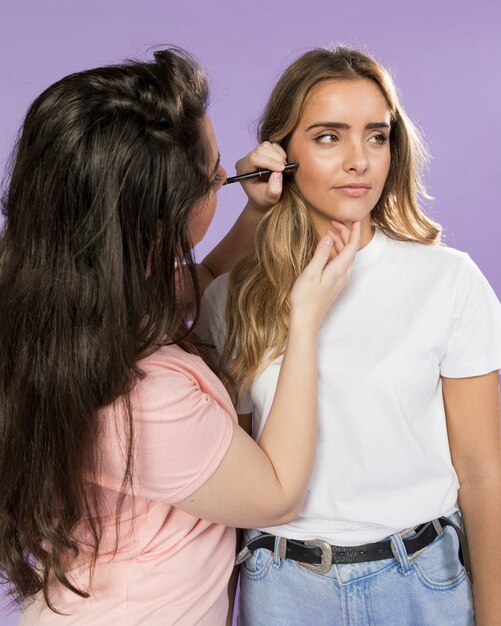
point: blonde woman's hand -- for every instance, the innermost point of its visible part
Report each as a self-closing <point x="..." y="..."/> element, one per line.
<point x="266" y="156"/>
<point x="324" y="277"/>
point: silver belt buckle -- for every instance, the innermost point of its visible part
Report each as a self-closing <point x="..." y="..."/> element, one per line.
<point x="326" y="560"/>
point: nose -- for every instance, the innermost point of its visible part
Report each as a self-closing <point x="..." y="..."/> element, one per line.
<point x="355" y="158"/>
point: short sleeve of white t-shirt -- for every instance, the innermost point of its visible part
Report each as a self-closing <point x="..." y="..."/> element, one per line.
<point x="474" y="346"/>
<point x="410" y="314"/>
<point x="211" y="326"/>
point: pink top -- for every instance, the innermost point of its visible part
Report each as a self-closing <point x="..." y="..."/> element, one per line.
<point x="171" y="567"/>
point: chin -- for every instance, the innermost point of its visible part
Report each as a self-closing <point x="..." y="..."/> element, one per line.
<point x="351" y="215"/>
<point x="345" y="212"/>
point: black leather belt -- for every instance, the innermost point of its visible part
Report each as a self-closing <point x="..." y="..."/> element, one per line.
<point x="319" y="555"/>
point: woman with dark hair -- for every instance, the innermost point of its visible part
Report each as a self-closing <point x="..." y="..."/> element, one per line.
<point x="120" y="456"/>
<point x="408" y="404"/>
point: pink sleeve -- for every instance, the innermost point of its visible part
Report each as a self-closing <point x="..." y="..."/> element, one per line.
<point x="181" y="437"/>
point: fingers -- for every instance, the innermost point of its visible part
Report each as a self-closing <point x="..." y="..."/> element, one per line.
<point x="356" y="232"/>
<point x="267" y="155"/>
<point x="346" y="242"/>
<point x="262" y="193"/>
<point x="319" y="284"/>
<point x="342" y="230"/>
<point x="338" y="242"/>
<point x="323" y="279"/>
<point x="274" y="187"/>
<point x="346" y="252"/>
<point x="281" y="152"/>
<point x="322" y="254"/>
<point x="342" y="234"/>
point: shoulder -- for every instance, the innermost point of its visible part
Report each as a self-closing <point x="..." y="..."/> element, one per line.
<point x="174" y="378"/>
<point x="218" y="289"/>
<point x="171" y="360"/>
<point x="183" y="425"/>
<point x="214" y="300"/>
<point x="443" y="270"/>
<point x="430" y="257"/>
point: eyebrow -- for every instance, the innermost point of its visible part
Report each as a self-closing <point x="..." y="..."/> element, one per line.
<point x="343" y="126"/>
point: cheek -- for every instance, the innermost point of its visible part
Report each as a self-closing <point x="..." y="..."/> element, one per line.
<point x="384" y="163"/>
<point x="206" y="216"/>
<point x="314" y="172"/>
<point x="211" y="208"/>
<point x="201" y="220"/>
<point x="384" y="167"/>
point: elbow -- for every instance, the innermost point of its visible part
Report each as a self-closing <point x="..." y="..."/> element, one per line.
<point x="286" y="513"/>
<point x="292" y="512"/>
<point x="288" y="517"/>
<point x="479" y="476"/>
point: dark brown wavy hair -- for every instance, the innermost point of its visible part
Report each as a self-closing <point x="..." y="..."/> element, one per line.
<point x="107" y="169"/>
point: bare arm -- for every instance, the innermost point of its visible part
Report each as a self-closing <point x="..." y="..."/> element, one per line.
<point x="240" y="237"/>
<point x="235" y="244"/>
<point x="231" y="248"/>
<point x="472" y="411"/>
<point x="263" y="485"/>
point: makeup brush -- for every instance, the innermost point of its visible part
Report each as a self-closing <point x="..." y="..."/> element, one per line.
<point x="259" y="174"/>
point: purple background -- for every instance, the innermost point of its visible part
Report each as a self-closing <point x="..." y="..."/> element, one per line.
<point x="444" y="55"/>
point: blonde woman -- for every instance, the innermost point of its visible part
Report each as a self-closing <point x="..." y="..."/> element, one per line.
<point x="408" y="460"/>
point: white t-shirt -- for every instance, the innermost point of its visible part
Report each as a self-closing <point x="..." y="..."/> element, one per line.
<point x="410" y="314"/>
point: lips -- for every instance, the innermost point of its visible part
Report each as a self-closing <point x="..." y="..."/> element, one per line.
<point x="354" y="186"/>
<point x="354" y="190"/>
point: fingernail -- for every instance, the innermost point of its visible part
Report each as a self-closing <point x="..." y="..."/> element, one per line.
<point x="327" y="241"/>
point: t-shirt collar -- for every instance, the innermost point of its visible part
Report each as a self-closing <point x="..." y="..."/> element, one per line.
<point x="371" y="250"/>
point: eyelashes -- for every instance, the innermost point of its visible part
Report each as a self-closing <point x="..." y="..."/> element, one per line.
<point x="331" y="138"/>
<point x="327" y="138"/>
<point x="217" y="180"/>
<point x="381" y="139"/>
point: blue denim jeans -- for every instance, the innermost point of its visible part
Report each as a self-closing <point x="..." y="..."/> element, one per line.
<point x="429" y="588"/>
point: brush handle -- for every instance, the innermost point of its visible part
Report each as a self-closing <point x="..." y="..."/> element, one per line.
<point x="259" y="174"/>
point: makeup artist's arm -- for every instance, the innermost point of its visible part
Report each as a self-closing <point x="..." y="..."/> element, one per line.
<point x="262" y="196"/>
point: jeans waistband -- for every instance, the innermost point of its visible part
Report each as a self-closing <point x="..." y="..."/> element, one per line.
<point x="318" y="555"/>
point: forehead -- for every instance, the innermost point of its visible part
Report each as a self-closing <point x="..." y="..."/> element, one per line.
<point x="346" y="101"/>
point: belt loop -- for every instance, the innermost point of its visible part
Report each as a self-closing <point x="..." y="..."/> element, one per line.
<point x="279" y="550"/>
<point x="400" y="553"/>
<point x="438" y="527"/>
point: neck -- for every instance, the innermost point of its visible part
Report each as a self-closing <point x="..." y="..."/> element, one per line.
<point x="366" y="231"/>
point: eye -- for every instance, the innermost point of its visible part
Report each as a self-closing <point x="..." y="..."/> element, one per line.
<point x="379" y="139"/>
<point x="218" y="180"/>
<point x="327" y="138"/>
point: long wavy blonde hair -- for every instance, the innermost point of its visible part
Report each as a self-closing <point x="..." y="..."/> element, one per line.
<point x="258" y="307"/>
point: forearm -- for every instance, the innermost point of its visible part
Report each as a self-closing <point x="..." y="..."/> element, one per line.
<point x="236" y="242"/>
<point x="288" y="433"/>
<point x="480" y="503"/>
<point x="263" y="485"/>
